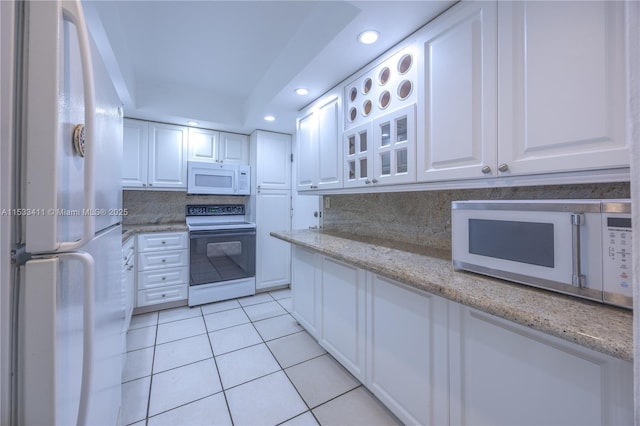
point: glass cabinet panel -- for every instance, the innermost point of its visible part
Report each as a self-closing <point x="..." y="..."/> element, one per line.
<point x="385" y="163"/>
<point x="363" y="142"/>
<point x="401" y="161"/>
<point x="401" y="129"/>
<point x="385" y="133"/>
<point x="352" y="145"/>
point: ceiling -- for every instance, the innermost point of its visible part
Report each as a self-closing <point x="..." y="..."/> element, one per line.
<point x="227" y="64"/>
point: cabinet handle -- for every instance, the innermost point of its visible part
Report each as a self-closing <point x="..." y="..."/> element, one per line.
<point x="164" y="278"/>
<point x="486" y="170"/>
<point x="503" y="167"/>
<point x="144" y="184"/>
<point x="150" y="184"/>
<point x="163" y="242"/>
<point x="163" y="295"/>
<point x="313" y="187"/>
<point x="374" y="180"/>
<point x="367" y="181"/>
<point x="164" y="260"/>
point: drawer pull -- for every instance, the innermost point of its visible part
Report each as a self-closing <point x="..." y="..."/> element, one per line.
<point x="164" y="295"/>
<point x="164" y="260"/>
<point x="164" y="242"/>
<point x="164" y="278"/>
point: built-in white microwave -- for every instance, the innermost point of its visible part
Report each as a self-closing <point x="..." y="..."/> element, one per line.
<point x="576" y="247"/>
<point x="218" y="178"/>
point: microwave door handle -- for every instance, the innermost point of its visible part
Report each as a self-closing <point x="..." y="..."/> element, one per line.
<point x="577" y="278"/>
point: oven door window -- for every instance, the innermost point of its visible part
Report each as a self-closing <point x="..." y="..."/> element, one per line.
<point x="222" y="256"/>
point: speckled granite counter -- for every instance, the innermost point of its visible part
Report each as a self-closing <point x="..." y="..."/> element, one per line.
<point x="130" y="230"/>
<point x="596" y="326"/>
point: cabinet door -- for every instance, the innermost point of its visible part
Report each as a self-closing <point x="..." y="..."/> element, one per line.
<point x="357" y="156"/>
<point x="307" y="156"/>
<point x="458" y="108"/>
<point x="329" y="158"/>
<point x="167" y="156"/>
<point x="407" y="350"/>
<point x="562" y="91"/>
<point x="273" y="256"/>
<point x="305" y="289"/>
<point x="273" y="157"/>
<point x="203" y="145"/>
<point x="506" y="374"/>
<point x="343" y="314"/>
<point x="234" y="148"/>
<point x="135" y="152"/>
<point x="394" y="146"/>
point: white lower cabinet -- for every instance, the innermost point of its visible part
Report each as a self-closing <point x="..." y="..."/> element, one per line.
<point x="163" y="268"/>
<point x="406" y="342"/>
<point x="432" y="361"/>
<point x="342" y="313"/>
<point x="273" y="257"/>
<point x="305" y="289"/>
<point x="506" y="374"/>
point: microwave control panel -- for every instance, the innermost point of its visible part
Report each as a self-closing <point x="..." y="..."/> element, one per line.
<point x="617" y="263"/>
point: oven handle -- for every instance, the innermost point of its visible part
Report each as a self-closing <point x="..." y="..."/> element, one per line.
<point x="222" y="233"/>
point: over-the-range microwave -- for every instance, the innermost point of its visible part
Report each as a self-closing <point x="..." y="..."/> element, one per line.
<point x="576" y="247"/>
<point x="218" y="178"/>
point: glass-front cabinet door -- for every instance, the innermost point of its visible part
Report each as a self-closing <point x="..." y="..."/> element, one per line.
<point x="357" y="154"/>
<point x="394" y="144"/>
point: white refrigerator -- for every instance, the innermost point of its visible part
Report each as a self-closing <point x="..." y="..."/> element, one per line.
<point x="68" y="297"/>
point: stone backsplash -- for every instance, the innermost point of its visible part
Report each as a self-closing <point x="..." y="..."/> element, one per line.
<point x="424" y="218"/>
<point x="160" y="207"/>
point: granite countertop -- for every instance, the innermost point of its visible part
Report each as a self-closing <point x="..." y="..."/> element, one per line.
<point x="606" y="329"/>
<point x="130" y="230"/>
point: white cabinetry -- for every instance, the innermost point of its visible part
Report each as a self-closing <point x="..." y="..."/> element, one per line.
<point x="218" y="147"/>
<point x="163" y="267"/>
<point x="342" y="313"/>
<point x="270" y="206"/>
<point x="406" y="345"/>
<point x="155" y="156"/>
<point x="319" y="147"/>
<point x="562" y="86"/>
<point x="305" y="289"/>
<point x="545" y="93"/>
<point x="129" y="281"/>
<point x="433" y="361"/>
<point x="458" y="110"/>
<point x="506" y="374"/>
<point x="234" y="148"/>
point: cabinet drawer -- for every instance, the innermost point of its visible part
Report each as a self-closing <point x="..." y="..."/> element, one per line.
<point x="162" y="295"/>
<point x="163" y="241"/>
<point x="162" y="259"/>
<point x="163" y="277"/>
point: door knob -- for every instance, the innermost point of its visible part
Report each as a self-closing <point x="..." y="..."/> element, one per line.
<point x="503" y="167"/>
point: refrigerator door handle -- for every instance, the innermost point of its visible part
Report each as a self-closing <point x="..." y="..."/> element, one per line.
<point x="72" y="11"/>
<point x="88" y="313"/>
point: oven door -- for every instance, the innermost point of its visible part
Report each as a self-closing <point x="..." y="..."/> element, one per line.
<point x="222" y="255"/>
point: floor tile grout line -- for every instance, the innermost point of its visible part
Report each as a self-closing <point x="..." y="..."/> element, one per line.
<point x="215" y="362"/>
<point x="186" y="403"/>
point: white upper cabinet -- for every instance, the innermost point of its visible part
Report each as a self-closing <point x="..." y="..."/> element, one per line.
<point x="204" y="145"/>
<point x="563" y="93"/>
<point x="167" y="156"/>
<point x="234" y="148"/>
<point x="458" y="107"/>
<point x="220" y="147"/>
<point x="379" y="142"/>
<point x="271" y="160"/>
<point x="155" y="156"/>
<point x="319" y="153"/>
<point x="135" y="153"/>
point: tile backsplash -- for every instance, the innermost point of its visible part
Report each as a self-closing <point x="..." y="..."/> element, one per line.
<point x="158" y="207"/>
<point x="424" y="218"/>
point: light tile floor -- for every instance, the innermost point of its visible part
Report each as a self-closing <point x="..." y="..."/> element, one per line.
<point x="238" y="362"/>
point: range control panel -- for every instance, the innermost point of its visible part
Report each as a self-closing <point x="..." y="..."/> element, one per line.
<point x="215" y="209"/>
<point x="617" y="263"/>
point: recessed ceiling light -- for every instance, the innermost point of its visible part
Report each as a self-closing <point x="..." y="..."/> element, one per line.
<point x="368" y="37"/>
<point x="302" y="91"/>
<point x="192" y="123"/>
<point x="269" y="118"/>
